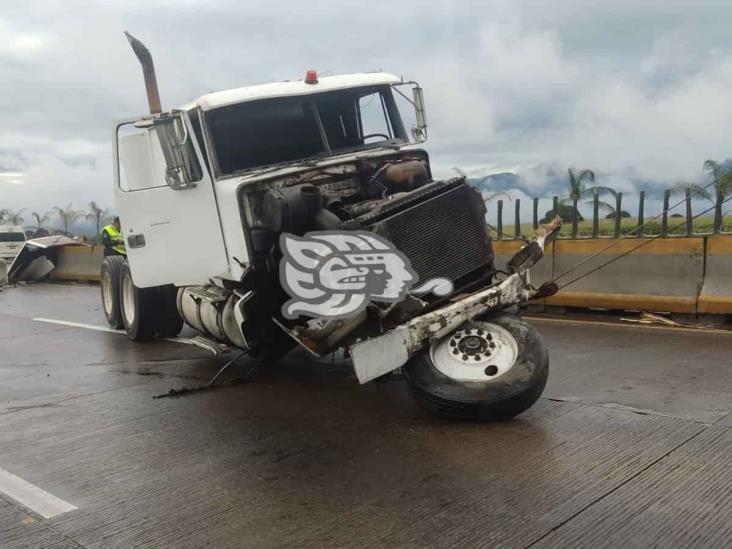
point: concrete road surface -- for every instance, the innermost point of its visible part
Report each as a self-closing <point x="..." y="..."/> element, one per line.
<point x="631" y="445"/>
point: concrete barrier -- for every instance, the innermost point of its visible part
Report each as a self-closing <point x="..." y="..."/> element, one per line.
<point x="78" y="263"/>
<point x="664" y="275"/>
<point x="676" y="275"/>
<point x="716" y="294"/>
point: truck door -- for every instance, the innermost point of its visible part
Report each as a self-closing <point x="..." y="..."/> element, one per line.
<point x="166" y="203"/>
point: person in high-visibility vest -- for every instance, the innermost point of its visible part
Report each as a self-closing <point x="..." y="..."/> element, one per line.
<point x="114" y="243"/>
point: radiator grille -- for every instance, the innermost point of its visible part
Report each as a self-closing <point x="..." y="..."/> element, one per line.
<point x="444" y="236"/>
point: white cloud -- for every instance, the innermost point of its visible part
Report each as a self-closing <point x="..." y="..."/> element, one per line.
<point x="636" y="90"/>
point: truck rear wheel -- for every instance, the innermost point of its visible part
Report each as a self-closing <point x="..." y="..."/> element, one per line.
<point x="169" y="323"/>
<point x="491" y="369"/>
<point x="109" y="283"/>
<point x="138" y="307"/>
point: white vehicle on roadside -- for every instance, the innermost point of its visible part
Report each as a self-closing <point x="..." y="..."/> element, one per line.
<point x="12" y="240"/>
<point x="302" y="213"/>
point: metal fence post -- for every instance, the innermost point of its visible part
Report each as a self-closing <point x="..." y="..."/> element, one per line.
<point x="574" y="217"/>
<point x="618" y="213"/>
<point x="595" y="215"/>
<point x="536" y="213"/>
<point x="664" y="218"/>
<point x="641" y="221"/>
<point x="689" y="220"/>
<point x="517" y="220"/>
<point x="499" y="220"/>
<point x="718" y="213"/>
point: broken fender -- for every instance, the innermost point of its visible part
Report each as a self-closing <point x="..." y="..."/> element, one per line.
<point x="380" y="355"/>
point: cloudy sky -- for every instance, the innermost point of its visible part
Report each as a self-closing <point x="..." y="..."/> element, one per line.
<point x="639" y="91"/>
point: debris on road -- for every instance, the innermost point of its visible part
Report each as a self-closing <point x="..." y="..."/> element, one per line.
<point x="651" y="318"/>
<point x="173" y="392"/>
<point x="38" y="258"/>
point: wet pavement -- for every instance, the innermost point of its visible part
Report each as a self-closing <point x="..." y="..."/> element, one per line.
<point x="630" y="445"/>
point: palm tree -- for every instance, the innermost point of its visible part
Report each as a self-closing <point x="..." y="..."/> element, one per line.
<point x="13" y="217"/>
<point x="722" y="185"/>
<point x="67" y="215"/>
<point x="601" y="204"/>
<point x="97" y="214"/>
<point x="578" y="189"/>
<point x="722" y="176"/>
<point x="490" y="197"/>
<point x="41" y="219"/>
<point x="695" y="189"/>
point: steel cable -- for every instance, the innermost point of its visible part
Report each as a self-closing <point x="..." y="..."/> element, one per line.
<point x="625" y="237"/>
<point x="636" y="247"/>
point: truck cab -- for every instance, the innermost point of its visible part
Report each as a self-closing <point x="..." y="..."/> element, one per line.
<point x="236" y="140"/>
<point x="305" y="213"/>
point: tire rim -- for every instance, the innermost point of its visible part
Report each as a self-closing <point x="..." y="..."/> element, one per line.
<point x="479" y="351"/>
<point x="128" y="300"/>
<point x="107" y="294"/>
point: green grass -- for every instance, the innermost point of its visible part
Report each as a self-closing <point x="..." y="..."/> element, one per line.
<point x="606" y="227"/>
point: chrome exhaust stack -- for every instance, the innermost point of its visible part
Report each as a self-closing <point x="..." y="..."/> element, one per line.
<point x="148" y="71"/>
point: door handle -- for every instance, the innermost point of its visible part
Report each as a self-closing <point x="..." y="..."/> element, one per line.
<point x="136" y="240"/>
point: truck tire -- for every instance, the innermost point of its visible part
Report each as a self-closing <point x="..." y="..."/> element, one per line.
<point x="169" y="322"/>
<point x="489" y="369"/>
<point x="275" y="347"/>
<point x="138" y="307"/>
<point x="109" y="281"/>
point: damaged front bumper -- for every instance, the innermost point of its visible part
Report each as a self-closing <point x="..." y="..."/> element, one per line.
<point x="382" y="354"/>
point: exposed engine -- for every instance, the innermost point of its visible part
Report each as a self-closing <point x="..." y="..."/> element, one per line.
<point x="439" y="225"/>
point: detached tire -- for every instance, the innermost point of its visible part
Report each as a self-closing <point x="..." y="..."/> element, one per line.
<point x="110" y="277"/>
<point x="491" y="369"/>
<point x="139" y="307"/>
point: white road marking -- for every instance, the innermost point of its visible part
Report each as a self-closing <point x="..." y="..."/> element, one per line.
<point x="30" y="496"/>
<point x="79" y="325"/>
<point x="184" y="340"/>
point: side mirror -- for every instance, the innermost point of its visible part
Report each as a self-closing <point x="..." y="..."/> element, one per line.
<point x="182" y="166"/>
<point x="419" y="131"/>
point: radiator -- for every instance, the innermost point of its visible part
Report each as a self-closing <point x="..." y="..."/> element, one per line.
<point x="443" y="236"/>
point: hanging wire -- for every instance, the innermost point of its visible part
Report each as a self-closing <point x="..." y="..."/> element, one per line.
<point x="637" y="247"/>
<point x="625" y="237"/>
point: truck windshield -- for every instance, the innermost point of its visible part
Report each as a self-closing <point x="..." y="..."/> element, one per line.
<point x="273" y="131"/>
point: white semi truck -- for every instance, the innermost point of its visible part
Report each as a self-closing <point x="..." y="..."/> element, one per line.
<point x="304" y="213"/>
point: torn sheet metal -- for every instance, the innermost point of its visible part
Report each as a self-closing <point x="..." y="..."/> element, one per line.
<point x="380" y="355"/>
<point x="26" y="265"/>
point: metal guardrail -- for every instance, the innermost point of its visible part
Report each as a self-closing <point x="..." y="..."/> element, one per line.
<point x="618" y="230"/>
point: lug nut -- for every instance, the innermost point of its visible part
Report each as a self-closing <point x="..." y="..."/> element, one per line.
<point x="465" y="357"/>
<point x="455" y="352"/>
